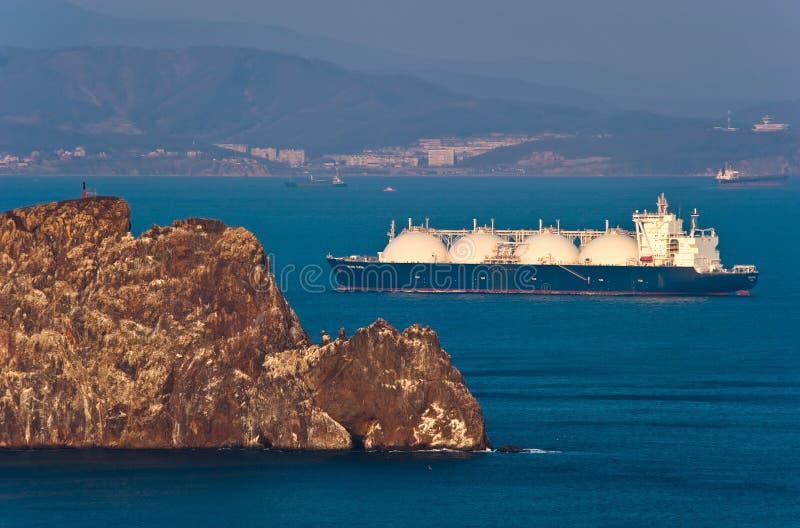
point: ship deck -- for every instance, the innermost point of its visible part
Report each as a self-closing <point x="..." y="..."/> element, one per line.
<point x="516" y="236"/>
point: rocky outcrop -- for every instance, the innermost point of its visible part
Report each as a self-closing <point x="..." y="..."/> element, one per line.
<point x="389" y="388"/>
<point x="180" y="338"/>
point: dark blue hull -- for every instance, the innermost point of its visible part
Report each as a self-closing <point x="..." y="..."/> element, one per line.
<point x="369" y="275"/>
<point x="774" y="179"/>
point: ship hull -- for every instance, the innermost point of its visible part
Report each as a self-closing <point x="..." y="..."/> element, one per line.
<point x="370" y="275"/>
<point x="777" y="179"/>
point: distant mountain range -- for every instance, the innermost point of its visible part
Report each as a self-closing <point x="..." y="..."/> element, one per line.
<point x="208" y="95"/>
<point x="124" y="97"/>
<point x="70" y="77"/>
<point x="58" y="24"/>
<point x="487" y="86"/>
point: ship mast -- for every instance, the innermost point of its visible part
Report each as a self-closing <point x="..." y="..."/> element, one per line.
<point x="662" y="204"/>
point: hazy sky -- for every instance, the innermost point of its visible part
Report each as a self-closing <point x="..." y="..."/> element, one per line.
<point x="636" y="35"/>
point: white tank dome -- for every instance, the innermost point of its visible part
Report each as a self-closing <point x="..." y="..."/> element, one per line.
<point x="413" y="246"/>
<point x="474" y="248"/>
<point x="547" y="248"/>
<point x="611" y="249"/>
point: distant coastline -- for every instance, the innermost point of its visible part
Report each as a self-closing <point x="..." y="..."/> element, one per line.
<point x="239" y="168"/>
<point x="247" y="166"/>
<point x="361" y="175"/>
<point x="496" y="154"/>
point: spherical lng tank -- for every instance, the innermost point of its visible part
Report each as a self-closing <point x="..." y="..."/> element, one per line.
<point x="547" y="248"/>
<point x="611" y="249"/>
<point x="474" y="248"/>
<point x="414" y="246"/>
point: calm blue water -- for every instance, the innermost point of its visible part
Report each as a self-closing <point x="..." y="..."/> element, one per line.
<point x="649" y="412"/>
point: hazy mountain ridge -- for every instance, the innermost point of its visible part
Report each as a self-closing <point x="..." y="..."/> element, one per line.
<point x="243" y="95"/>
<point x="514" y="89"/>
<point x="59" y="24"/>
<point x="123" y="98"/>
<point x="689" y="150"/>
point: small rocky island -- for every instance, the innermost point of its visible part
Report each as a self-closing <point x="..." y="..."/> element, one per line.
<point x="181" y="339"/>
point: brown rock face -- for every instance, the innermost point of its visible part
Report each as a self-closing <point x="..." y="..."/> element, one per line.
<point x="180" y="338"/>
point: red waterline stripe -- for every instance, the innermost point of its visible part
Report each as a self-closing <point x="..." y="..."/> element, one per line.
<point x="742" y="293"/>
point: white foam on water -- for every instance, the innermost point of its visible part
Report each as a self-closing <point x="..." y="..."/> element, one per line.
<point x="525" y="450"/>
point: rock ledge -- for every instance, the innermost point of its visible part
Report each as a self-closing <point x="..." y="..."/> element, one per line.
<point x="180" y="338"/>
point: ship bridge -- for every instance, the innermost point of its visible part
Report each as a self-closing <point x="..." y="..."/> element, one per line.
<point x="663" y="242"/>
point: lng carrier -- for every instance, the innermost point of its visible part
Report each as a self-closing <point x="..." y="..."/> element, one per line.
<point x="658" y="258"/>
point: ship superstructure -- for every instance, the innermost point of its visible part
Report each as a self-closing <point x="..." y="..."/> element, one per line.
<point x="657" y="257"/>
<point x="661" y="241"/>
<point x="767" y="125"/>
<point x="727" y="175"/>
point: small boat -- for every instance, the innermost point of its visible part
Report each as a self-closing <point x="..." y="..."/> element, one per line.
<point x="337" y="180"/>
<point x="389" y="189"/>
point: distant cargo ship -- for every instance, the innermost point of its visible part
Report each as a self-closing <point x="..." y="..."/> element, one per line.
<point x="730" y="176"/>
<point x="337" y="181"/>
<point x="658" y="258"/>
<point x="766" y="125"/>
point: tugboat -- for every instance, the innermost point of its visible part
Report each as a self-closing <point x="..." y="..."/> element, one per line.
<point x="658" y="257"/>
<point x="337" y="180"/>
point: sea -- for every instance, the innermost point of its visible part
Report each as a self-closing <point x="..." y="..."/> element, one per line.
<point x="641" y="412"/>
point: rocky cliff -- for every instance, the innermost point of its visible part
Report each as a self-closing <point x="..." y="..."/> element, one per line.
<point x="180" y="338"/>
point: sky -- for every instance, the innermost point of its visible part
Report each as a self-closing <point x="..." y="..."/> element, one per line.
<point x="640" y="36"/>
